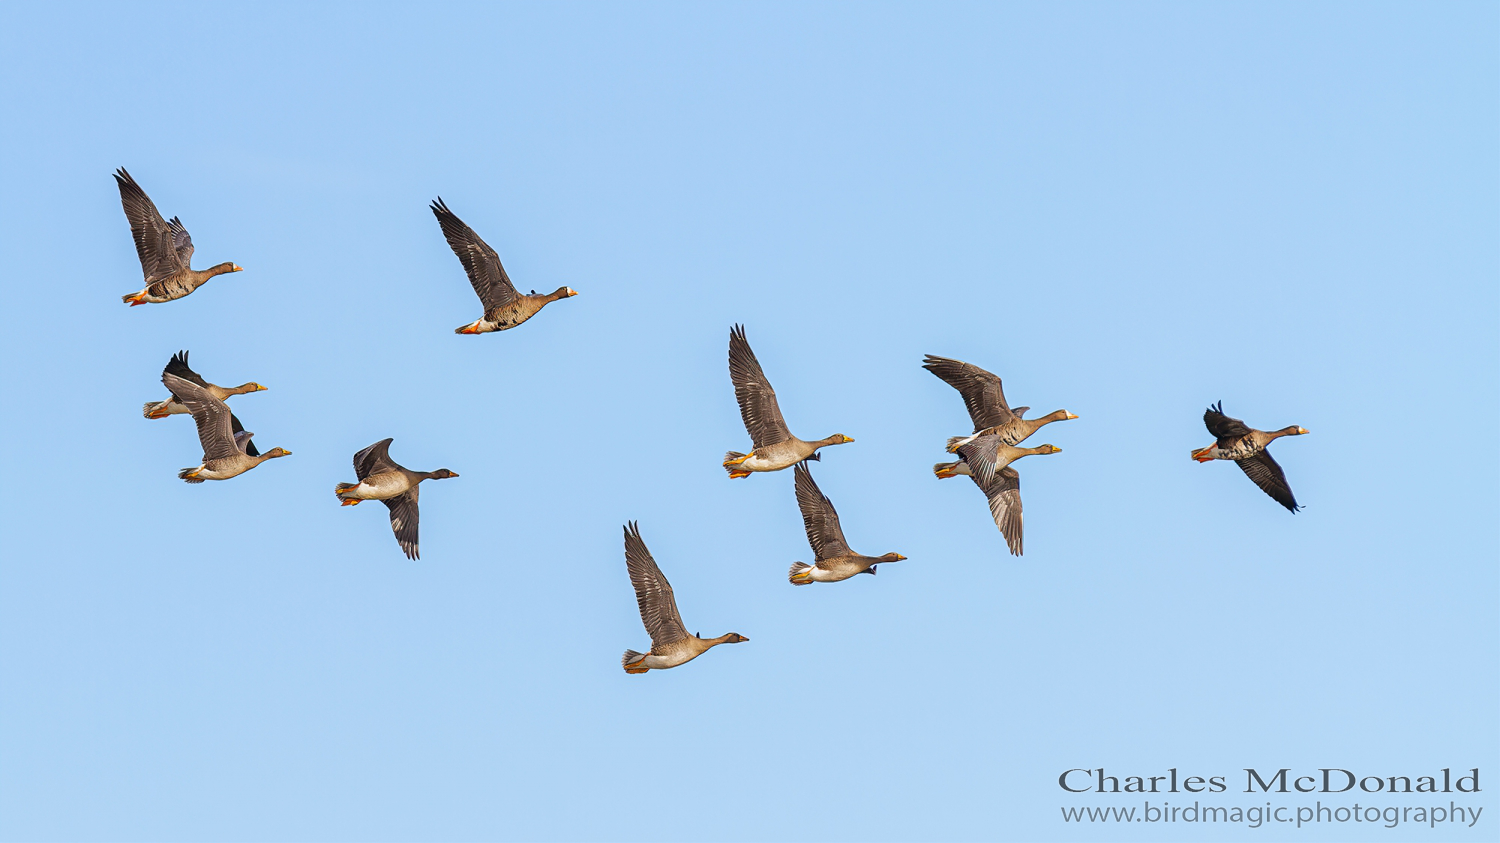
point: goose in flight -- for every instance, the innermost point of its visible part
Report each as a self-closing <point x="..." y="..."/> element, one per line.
<point x="671" y="645"/>
<point x="504" y="308"/>
<point x="773" y="445"/>
<point x="164" y="247"/>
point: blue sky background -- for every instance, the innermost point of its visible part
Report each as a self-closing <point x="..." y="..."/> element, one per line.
<point x="1126" y="210"/>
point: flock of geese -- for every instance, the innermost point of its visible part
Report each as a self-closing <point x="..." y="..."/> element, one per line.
<point x="986" y="455"/>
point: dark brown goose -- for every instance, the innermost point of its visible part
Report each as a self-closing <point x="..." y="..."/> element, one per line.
<point x="227" y="451"/>
<point x="165" y="249"/>
<point x="382" y="479"/>
<point x="1246" y="446"/>
<point x="1003" y="493"/>
<point x="171" y="406"/>
<point x="671" y="645"/>
<point x="504" y="308"/>
<point x="773" y="445"/>
<point x="985" y="399"/>
<point x="833" y="560"/>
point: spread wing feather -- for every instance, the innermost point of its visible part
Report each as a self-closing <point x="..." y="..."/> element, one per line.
<point x="819" y="518"/>
<point x="403" y="509"/>
<point x="178" y="366"/>
<point x="757" y="400"/>
<point x="242" y="437"/>
<point x="652" y="592"/>
<point x="1265" y="473"/>
<point x="154" y="238"/>
<point x="215" y="428"/>
<point x="481" y="263"/>
<point x="1227" y="430"/>
<point x="981" y="390"/>
<point x="1005" y="505"/>
<point x="982" y="454"/>
<point x="374" y="460"/>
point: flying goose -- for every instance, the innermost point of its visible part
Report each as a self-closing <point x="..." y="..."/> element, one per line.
<point x="983" y="395"/>
<point x="774" y="446"/>
<point x="382" y="479"/>
<point x="1246" y="446"/>
<point x="504" y="308"/>
<point x="671" y="645"/>
<point x="227" y="451"/>
<point x="165" y="249"/>
<point x="833" y="559"/>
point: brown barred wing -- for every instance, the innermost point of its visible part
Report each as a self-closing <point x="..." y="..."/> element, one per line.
<point x="653" y="594"/>
<point x="819" y="517"/>
<point x="1265" y="473"/>
<point x="403" y="509"/>
<point x="757" y="400"/>
<point x="1225" y="429"/>
<point x="981" y="390"/>
<point x="481" y="263"/>
<point x="154" y="238"/>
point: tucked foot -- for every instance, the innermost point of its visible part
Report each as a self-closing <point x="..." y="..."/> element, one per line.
<point x="349" y="501"/>
<point x="737" y="460"/>
<point x="735" y="475"/>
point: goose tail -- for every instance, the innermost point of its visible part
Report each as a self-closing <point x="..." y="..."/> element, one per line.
<point x="800" y="574"/>
<point x="631" y="661"/>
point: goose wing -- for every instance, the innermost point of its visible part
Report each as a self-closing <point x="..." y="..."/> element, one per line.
<point x="1004" y="495"/>
<point x="1265" y="473"/>
<point x="481" y="263"/>
<point x="182" y="242"/>
<point x="652" y="592"/>
<point x="215" y="428"/>
<point x="1225" y="429"/>
<point x="981" y="390"/>
<point x="154" y="238"/>
<point x="374" y="460"/>
<point x="242" y="437"/>
<point x="178" y="366"/>
<point x="819" y="517"/>
<point x="982" y="454"/>
<point x="757" y="400"/>
<point x="403" y="509"/>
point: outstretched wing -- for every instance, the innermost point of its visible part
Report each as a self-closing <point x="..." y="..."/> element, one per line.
<point x="215" y="428"/>
<point x="1265" y="473"/>
<point x="178" y="366"/>
<point x="481" y="263"/>
<point x="242" y="437"/>
<point x="374" y="459"/>
<point x="819" y="518"/>
<point x="403" y="509"/>
<point x="1005" y="505"/>
<point x="154" y="243"/>
<point x="756" y="398"/>
<point x="182" y="242"/>
<point x="981" y="390"/>
<point x="1225" y="429"/>
<point x="652" y="592"/>
<point x="982" y="454"/>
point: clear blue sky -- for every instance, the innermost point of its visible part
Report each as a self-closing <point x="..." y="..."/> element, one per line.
<point x="1126" y="210"/>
